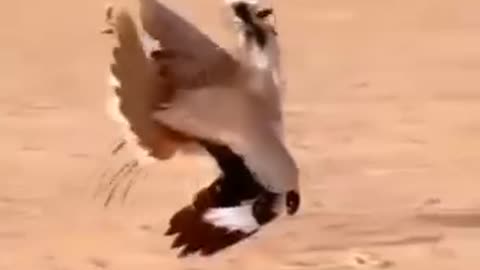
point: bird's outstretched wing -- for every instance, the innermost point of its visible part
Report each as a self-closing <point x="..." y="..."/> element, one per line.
<point x="146" y="75"/>
<point x="138" y="89"/>
<point x="197" y="60"/>
<point x="152" y="60"/>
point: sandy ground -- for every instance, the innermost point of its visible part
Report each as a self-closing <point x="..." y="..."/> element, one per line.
<point x="383" y="115"/>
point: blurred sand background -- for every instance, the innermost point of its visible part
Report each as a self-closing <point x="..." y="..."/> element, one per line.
<point x="383" y="115"/>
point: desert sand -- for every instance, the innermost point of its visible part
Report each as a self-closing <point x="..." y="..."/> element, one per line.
<point x="382" y="114"/>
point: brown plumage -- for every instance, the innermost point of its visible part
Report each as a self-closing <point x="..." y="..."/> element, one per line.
<point x="174" y="88"/>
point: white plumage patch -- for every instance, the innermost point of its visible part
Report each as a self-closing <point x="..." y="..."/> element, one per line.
<point x="239" y="218"/>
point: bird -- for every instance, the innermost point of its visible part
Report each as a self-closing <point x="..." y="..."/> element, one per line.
<point x="176" y="90"/>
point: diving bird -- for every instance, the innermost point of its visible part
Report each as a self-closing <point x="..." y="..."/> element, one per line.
<point x="174" y="89"/>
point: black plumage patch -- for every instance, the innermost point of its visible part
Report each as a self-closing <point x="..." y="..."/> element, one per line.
<point x="236" y="185"/>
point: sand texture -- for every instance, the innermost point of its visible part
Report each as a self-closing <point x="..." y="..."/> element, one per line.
<point x="382" y="114"/>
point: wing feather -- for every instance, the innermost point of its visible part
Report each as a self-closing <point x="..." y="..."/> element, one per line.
<point x="198" y="60"/>
<point x="138" y="89"/>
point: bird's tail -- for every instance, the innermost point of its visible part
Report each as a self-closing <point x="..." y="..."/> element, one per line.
<point x="258" y="36"/>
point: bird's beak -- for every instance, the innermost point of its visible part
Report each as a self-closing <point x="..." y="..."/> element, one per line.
<point x="293" y="202"/>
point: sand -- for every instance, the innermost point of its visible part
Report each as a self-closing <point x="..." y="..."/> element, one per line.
<point x="383" y="116"/>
